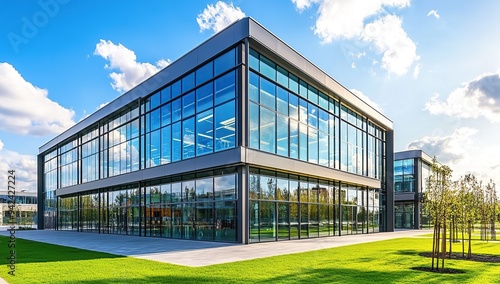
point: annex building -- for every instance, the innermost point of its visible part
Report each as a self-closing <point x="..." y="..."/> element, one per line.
<point x="412" y="168"/>
<point x="242" y="139"/>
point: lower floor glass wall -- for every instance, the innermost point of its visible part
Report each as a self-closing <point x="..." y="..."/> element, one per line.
<point x="195" y="207"/>
<point x="405" y="215"/>
<point x="203" y="206"/>
<point x="284" y="206"/>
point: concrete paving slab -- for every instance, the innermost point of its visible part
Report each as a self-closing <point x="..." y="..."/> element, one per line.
<point x="198" y="253"/>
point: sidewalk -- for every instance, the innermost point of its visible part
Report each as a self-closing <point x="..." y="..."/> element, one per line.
<point x="197" y="253"/>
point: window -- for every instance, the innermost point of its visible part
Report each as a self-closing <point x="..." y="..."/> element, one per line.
<point x="224" y="62"/>
<point x="204" y="132"/>
<point x="204" y="73"/>
<point x="204" y="97"/>
<point x="225" y="88"/>
<point x="225" y="123"/>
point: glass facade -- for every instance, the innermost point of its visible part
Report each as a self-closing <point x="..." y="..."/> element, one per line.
<point x="188" y="123"/>
<point x="198" y="206"/>
<point x="291" y="118"/>
<point x="284" y="207"/>
<point x="405" y="212"/>
<point x="404" y="176"/>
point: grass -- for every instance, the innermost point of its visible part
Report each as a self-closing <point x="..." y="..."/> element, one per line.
<point x="380" y="262"/>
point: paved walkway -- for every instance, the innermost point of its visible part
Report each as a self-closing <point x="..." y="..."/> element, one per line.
<point x="197" y="253"/>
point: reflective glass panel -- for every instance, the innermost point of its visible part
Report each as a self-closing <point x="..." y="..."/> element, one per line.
<point x="204" y="132"/>
<point x="225" y="124"/>
<point x="225" y="88"/>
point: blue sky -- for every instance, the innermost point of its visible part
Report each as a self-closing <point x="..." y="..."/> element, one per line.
<point x="431" y="66"/>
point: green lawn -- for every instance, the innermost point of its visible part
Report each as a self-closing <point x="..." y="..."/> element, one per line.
<point x="379" y="262"/>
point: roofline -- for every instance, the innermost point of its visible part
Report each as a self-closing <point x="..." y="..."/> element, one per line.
<point x="410" y="154"/>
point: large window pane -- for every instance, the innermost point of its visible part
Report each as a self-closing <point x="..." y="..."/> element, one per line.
<point x="188" y="105"/>
<point x="155" y="148"/>
<point x="303" y="142"/>
<point x="205" y="189"/>
<point x="312" y="117"/>
<point x="253" y="87"/>
<point x="294" y="139"/>
<point x="225" y="124"/>
<point x="176" y="142"/>
<point x="176" y="110"/>
<point x="225" y="220"/>
<point x="188" y="82"/>
<point x="254" y="59"/>
<point x="165" y="145"/>
<point x="166" y="114"/>
<point x="293" y="104"/>
<point x="282" y="101"/>
<point x="267" y="221"/>
<point x="267" y="130"/>
<point x="313" y="145"/>
<point x="204" y="97"/>
<point x="282" y="139"/>
<point x="204" y="132"/>
<point x="254" y="126"/>
<point x="224" y="62"/>
<point x="188" y="138"/>
<point x="204" y="73"/>
<point x="267" y="67"/>
<point x="155" y="119"/>
<point x="282" y="76"/>
<point x="225" y="88"/>
<point x="267" y="93"/>
<point x="225" y="187"/>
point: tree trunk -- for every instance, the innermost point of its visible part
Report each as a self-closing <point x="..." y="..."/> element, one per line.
<point x="493" y="232"/>
<point x="451" y="237"/>
<point x="469" y="252"/>
<point x="443" y="253"/>
<point x="463" y="240"/>
<point x="434" y="245"/>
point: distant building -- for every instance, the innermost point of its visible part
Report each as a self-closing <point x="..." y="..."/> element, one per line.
<point x="411" y="170"/>
<point x="240" y="140"/>
<point x="25" y="208"/>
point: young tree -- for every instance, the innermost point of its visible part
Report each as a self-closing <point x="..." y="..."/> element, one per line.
<point x="439" y="192"/>
<point x="471" y="205"/>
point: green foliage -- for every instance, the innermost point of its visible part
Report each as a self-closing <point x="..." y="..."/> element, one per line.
<point x="378" y="262"/>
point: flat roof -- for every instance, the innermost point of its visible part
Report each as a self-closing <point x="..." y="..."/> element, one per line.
<point x="231" y="35"/>
<point x="411" y="154"/>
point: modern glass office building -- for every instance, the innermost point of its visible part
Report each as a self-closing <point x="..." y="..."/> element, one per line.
<point x="412" y="168"/>
<point x="240" y="140"/>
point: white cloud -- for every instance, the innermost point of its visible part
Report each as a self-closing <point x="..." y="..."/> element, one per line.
<point x="357" y="55"/>
<point x="303" y="4"/>
<point x="219" y="16"/>
<point x="433" y="13"/>
<point x="26" y="109"/>
<point x="366" y="99"/>
<point x="345" y="19"/>
<point x="416" y="71"/>
<point x="389" y="38"/>
<point x="131" y="72"/>
<point x="477" y="98"/>
<point x="353" y="65"/>
<point x="102" y="105"/>
<point x="24" y="167"/>
<point x="447" y="149"/>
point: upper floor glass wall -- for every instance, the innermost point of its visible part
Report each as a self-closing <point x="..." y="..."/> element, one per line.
<point x="404" y="175"/>
<point x="193" y="116"/>
<point x="291" y="118"/>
